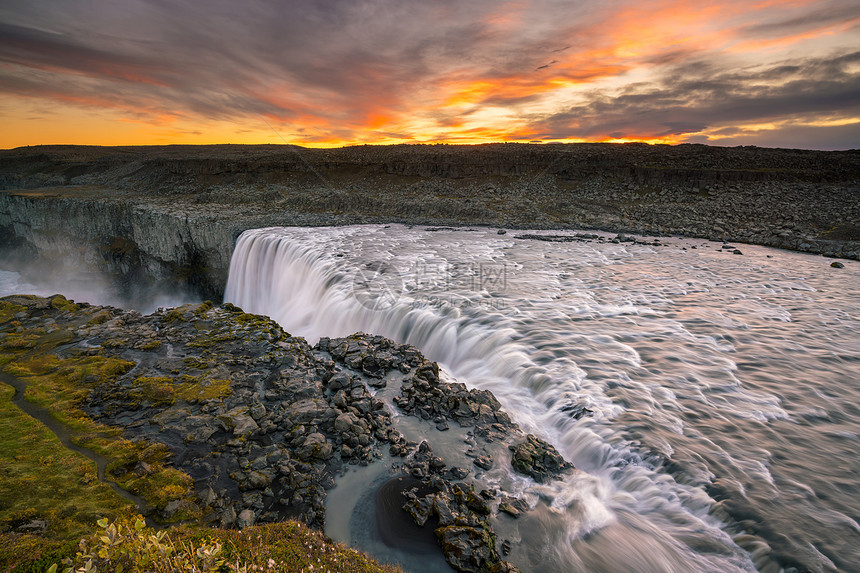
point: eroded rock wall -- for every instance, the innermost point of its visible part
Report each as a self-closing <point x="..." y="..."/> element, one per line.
<point x="170" y="215"/>
<point x="143" y="246"/>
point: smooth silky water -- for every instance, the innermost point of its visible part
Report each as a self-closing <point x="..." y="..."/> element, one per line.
<point x="710" y="400"/>
<point x="721" y="390"/>
<point x="721" y="426"/>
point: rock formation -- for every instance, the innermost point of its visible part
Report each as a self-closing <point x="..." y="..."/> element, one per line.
<point x="260" y="425"/>
<point x="171" y="214"/>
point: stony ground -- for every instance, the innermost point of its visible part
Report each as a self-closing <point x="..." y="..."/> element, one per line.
<point x="253" y="425"/>
<point x="804" y="200"/>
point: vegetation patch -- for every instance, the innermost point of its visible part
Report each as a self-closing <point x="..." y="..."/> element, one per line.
<point x="166" y="391"/>
<point x="61" y="385"/>
<point x="197" y="362"/>
<point x="46" y="487"/>
<point x="173" y="316"/>
<point x="151" y="345"/>
<point x="127" y="544"/>
<point x="8" y="311"/>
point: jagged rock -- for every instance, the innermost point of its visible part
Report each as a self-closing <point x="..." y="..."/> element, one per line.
<point x="239" y="422"/>
<point x="420" y="509"/>
<point x="458" y="473"/>
<point x="346" y="422"/>
<point x="315" y="446"/>
<point x="142" y="468"/>
<point x="228" y="517"/>
<point x="245" y="519"/>
<point x="538" y="459"/>
<point x="338" y="381"/>
<point x="483" y="462"/>
<point x="513" y="506"/>
<point x="467" y="549"/>
<point x="176" y="506"/>
<point x="34" y="526"/>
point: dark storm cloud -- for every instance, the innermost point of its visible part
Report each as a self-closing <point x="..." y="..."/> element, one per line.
<point x="46" y="50"/>
<point x="824" y="13"/>
<point x="345" y="68"/>
<point x="364" y="51"/>
<point x="697" y="96"/>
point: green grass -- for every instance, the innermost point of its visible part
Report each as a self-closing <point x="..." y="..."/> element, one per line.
<point x="289" y="547"/>
<point x="41" y="479"/>
<point x="60" y="385"/>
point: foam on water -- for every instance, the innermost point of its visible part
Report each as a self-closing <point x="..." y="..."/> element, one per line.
<point x="685" y="362"/>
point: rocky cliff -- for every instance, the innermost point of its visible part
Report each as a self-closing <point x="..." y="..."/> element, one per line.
<point x="208" y="414"/>
<point x="171" y="214"/>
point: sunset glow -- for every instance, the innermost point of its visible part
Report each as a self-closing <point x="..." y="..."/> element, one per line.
<point x="333" y="73"/>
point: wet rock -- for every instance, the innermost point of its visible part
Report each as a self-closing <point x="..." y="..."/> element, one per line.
<point x="538" y="460"/>
<point x="484" y="462"/>
<point x="504" y="567"/>
<point x="837" y="265"/>
<point x="576" y="411"/>
<point x="458" y="473"/>
<point x="513" y="506"/>
<point x="468" y="549"/>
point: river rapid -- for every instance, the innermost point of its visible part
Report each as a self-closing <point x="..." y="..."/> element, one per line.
<point x="709" y="398"/>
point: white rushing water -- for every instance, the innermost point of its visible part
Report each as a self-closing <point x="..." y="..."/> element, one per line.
<point x="710" y="398"/>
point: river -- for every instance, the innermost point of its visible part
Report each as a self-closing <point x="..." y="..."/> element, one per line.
<point x="710" y="398"/>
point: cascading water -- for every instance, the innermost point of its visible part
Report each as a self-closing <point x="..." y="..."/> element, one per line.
<point x="666" y="374"/>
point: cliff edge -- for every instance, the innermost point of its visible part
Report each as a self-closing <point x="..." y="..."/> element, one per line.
<point x="172" y="214"/>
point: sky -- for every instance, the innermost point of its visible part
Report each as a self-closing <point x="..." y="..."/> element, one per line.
<point x="346" y="72"/>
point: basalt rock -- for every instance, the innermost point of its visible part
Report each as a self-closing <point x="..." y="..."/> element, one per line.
<point x="538" y="460"/>
<point x="463" y="527"/>
<point x="262" y="423"/>
<point x="170" y="215"/>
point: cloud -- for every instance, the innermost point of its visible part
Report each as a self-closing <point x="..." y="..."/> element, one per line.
<point x="356" y="70"/>
<point x="699" y="95"/>
<point x="793" y="137"/>
<point x="825" y="14"/>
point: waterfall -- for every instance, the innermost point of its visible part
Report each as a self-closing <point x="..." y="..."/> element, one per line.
<point x="336" y="282"/>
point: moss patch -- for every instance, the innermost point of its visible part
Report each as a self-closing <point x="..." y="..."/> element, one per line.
<point x="8" y="311"/>
<point x="290" y="547"/>
<point x="60" y="385"/>
<point x="42" y="480"/>
<point x="166" y="391"/>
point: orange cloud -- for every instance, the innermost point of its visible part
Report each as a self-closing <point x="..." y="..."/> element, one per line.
<point x="472" y="72"/>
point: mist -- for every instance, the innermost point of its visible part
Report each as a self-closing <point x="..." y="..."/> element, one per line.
<point x="88" y="286"/>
